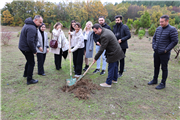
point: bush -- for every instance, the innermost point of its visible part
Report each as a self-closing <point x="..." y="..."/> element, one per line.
<point x="129" y="22"/>
<point x="6" y="36"/>
<point x="47" y="25"/>
<point x="83" y="25"/>
<point x="152" y="30"/>
<point x="178" y="26"/>
<point x="52" y="24"/>
<point x="112" y="24"/>
<point x="141" y="33"/>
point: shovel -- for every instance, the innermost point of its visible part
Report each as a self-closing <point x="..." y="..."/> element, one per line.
<point x="70" y="81"/>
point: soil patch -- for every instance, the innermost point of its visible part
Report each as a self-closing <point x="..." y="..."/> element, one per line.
<point x="82" y="89"/>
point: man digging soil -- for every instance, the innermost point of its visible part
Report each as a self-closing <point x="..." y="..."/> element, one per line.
<point x="113" y="53"/>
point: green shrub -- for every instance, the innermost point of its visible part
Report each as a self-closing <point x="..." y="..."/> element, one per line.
<point x="152" y="30"/>
<point x="129" y="23"/>
<point x="141" y="33"/>
<point x="52" y="24"/>
<point x="178" y="26"/>
<point x="112" y="24"/>
<point x="83" y="25"/>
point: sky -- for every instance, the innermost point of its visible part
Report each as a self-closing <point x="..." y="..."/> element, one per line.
<point x="3" y="2"/>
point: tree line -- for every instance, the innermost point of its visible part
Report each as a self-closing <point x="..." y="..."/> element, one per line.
<point x="16" y="12"/>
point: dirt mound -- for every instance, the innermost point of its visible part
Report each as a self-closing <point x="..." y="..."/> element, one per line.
<point x="83" y="89"/>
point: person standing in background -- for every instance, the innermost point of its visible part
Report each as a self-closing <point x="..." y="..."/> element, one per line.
<point x="96" y="37"/>
<point x="63" y="45"/>
<point x="42" y="48"/>
<point x="27" y="45"/>
<point x="122" y="34"/>
<point x="88" y="43"/>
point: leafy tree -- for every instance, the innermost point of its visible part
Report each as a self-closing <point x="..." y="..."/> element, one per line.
<point x="8" y="18"/>
<point x="112" y="24"/>
<point x="152" y="30"/>
<point x="129" y="23"/>
<point x="172" y="21"/>
<point x="145" y="20"/>
<point x="155" y="18"/>
<point x="177" y="19"/>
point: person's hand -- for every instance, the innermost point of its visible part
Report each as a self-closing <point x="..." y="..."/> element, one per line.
<point x="40" y="48"/>
<point x="35" y="53"/>
<point x="69" y="51"/>
<point x="69" y="32"/>
<point x="119" y="41"/>
<point x="98" y="43"/>
<point x="94" y="61"/>
<point x="47" y="50"/>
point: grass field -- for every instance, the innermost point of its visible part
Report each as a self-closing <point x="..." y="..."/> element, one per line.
<point x="130" y="99"/>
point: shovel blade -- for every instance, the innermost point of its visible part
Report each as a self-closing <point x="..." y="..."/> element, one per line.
<point x="71" y="81"/>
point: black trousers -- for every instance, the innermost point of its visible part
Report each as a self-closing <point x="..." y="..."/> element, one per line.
<point x="29" y="66"/>
<point x="58" y="59"/>
<point x="78" y="60"/>
<point x="122" y="63"/>
<point x="40" y="60"/>
<point x="161" y="59"/>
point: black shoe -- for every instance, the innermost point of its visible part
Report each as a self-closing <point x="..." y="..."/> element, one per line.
<point x="42" y="74"/>
<point x="102" y="72"/>
<point x="152" y="82"/>
<point x="86" y="67"/>
<point x="120" y="75"/>
<point x="96" y="70"/>
<point x="160" y="86"/>
<point x="32" y="82"/>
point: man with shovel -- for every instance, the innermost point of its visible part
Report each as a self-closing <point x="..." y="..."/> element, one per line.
<point x="113" y="53"/>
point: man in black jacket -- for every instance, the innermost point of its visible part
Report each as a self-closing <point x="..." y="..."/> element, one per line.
<point x="122" y="34"/>
<point x="164" y="40"/>
<point x="96" y="37"/>
<point x="27" y="45"/>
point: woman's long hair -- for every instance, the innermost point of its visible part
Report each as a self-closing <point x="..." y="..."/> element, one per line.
<point x="90" y="27"/>
<point x="71" y="28"/>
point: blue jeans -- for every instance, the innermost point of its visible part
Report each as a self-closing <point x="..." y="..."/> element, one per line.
<point x="112" y="72"/>
<point x="99" y="59"/>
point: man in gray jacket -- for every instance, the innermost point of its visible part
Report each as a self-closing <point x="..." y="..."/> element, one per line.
<point x="113" y="52"/>
<point x="164" y="40"/>
<point x="27" y="45"/>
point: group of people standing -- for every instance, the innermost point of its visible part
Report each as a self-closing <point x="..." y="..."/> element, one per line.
<point x="111" y="45"/>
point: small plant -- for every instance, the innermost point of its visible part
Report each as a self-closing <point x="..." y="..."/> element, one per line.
<point x="141" y="33"/>
<point x="6" y="36"/>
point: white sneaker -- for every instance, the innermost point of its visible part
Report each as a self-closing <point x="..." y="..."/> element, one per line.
<point x="105" y="85"/>
<point x="113" y="81"/>
<point x="77" y="75"/>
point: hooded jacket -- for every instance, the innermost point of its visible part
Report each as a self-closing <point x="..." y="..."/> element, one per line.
<point x="28" y="38"/>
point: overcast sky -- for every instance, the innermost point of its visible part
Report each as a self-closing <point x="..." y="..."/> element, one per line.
<point x="3" y="2"/>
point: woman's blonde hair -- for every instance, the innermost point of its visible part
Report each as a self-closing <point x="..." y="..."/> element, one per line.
<point x="90" y="27"/>
<point x="58" y="23"/>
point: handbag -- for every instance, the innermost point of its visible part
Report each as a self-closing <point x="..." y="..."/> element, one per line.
<point x="53" y="43"/>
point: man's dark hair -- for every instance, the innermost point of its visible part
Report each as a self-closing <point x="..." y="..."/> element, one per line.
<point x="37" y="17"/>
<point x="101" y="17"/>
<point x="118" y="16"/>
<point x="78" y="24"/>
<point x="165" y="16"/>
<point x="97" y="26"/>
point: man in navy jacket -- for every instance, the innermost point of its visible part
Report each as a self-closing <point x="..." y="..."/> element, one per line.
<point x="27" y="45"/>
<point x="164" y="40"/>
<point x="122" y="34"/>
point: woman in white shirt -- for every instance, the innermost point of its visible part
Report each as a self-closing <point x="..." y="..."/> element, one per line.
<point x="63" y="44"/>
<point x="42" y="48"/>
<point x="88" y="43"/>
<point x="78" y="49"/>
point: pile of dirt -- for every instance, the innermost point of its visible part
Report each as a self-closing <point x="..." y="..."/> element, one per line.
<point x="82" y="89"/>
